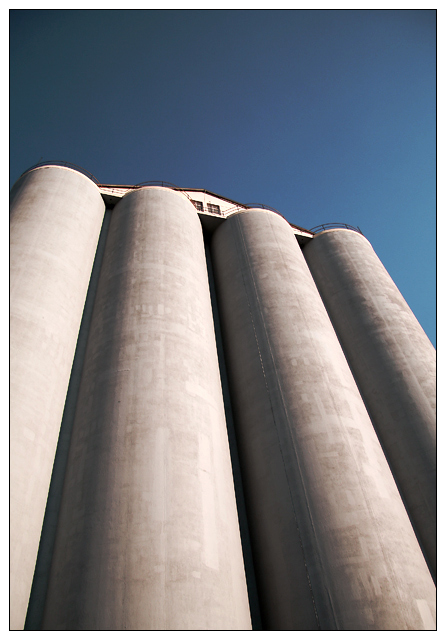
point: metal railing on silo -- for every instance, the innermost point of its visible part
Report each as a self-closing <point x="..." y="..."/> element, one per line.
<point x="335" y="225"/>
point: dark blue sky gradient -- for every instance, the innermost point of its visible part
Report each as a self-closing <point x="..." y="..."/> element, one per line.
<point x="323" y="115"/>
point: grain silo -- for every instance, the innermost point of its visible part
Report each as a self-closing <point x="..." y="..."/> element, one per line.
<point x="221" y="463"/>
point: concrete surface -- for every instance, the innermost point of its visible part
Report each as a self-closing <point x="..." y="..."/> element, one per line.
<point x="148" y="536"/>
<point x="39" y="588"/>
<point x="333" y="546"/>
<point x="251" y="583"/>
<point x="56" y="217"/>
<point x="393" y="362"/>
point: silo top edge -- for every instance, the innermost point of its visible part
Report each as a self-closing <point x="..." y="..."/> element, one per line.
<point x="251" y="209"/>
<point x="58" y="166"/>
<point x="159" y="188"/>
<point x="340" y="229"/>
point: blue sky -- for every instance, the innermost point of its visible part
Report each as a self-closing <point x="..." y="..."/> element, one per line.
<point x="324" y="115"/>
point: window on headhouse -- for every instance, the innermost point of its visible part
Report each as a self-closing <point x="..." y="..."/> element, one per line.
<point x="213" y="208"/>
<point x="198" y="205"/>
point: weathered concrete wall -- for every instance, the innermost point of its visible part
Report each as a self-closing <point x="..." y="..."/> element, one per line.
<point x="148" y="535"/>
<point x="256" y="619"/>
<point x="56" y="216"/>
<point x="48" y="535"/>
<point x="393" y="362"/>
<point x="333" y="546"/>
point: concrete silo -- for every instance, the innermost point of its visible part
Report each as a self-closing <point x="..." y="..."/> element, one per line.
<point x="56" y="217"/>
<point x="324" y="373"/>
<point x="393" y="363"/>
<point x="332" y="543"/>
<point x="148" y="535"/>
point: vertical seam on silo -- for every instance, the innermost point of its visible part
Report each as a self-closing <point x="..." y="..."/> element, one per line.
<point x="347" y="441"/>
<point x="364" y="283"/>
<point x="245" y="251"/>
<point x="295" y="448"/>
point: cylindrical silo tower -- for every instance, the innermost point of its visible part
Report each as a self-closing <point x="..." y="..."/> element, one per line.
<point x="148" y="535"/>
<point x="393" y="362"/>
<point x="56" y="217"/>
<point x="332" y="543"/>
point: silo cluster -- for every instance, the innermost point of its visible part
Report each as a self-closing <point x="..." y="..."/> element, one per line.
<point x="212" y="428"/>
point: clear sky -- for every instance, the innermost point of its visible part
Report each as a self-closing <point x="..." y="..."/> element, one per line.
<point x="324" y="115"/>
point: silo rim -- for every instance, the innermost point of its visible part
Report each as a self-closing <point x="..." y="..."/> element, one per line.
<point x="136" y="188"/>
<point x="62" y="165"/>
<point x="341" y="229"/>
<point x="263" y="210"/>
